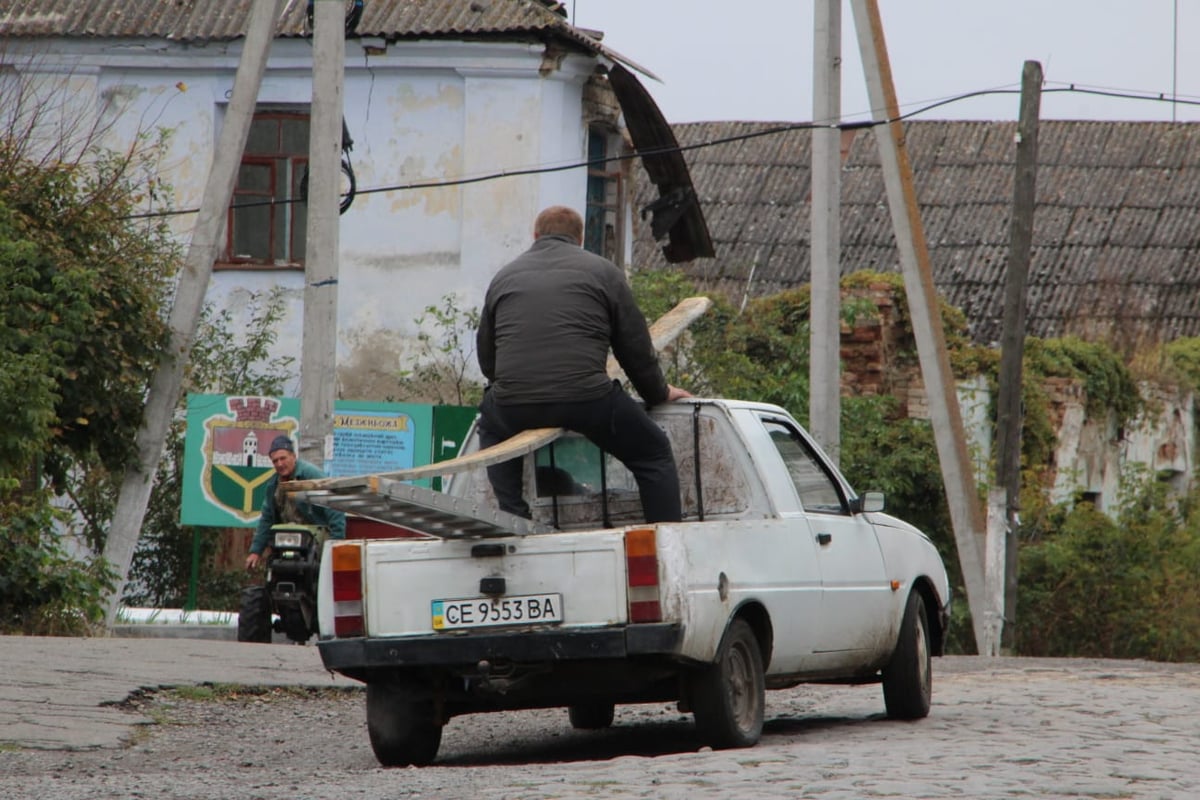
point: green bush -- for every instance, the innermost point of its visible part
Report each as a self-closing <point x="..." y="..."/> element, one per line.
<point x="45" y="591"/>
<point x="81" y="322"/>
<point x="1109" y="384"/>
<point x="1118" y="588"/>
<point x="1182" y="361"/>
<point x="444" y="358"/>
<point x="82" y="329"/>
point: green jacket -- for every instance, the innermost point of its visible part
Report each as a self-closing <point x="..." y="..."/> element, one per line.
<point x="335" y="521"/>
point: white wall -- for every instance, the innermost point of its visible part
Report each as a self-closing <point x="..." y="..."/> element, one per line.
<point x="419" y="112"/>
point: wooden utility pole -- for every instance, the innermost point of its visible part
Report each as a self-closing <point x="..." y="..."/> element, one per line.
<point x="206" y="244"/>
<point x="966" y="515"/>
<point x="1004" y="498"/>
<point x="318" y="373"/>
<point x="824" y="372"/>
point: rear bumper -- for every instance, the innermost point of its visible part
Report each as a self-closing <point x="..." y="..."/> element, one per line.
<point x="450" y="649"/>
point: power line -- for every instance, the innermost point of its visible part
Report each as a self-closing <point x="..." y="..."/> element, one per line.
<point x="1123" y="94"/>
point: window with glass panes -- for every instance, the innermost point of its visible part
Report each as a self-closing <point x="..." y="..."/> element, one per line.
<point x="265" y="226"/>
<point x="601" y="224"/>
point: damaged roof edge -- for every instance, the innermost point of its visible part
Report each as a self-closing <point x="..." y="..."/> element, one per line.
<point x="613" y="55"/>
<point x="676" y="213"/>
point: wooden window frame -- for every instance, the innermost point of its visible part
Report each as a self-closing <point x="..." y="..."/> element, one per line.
<point x="612" y="207"/>
<point x="279" y="254"/>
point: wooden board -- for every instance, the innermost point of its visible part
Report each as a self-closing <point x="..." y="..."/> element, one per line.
<point x="665" y="330"/>
<point x="668" y="327"/>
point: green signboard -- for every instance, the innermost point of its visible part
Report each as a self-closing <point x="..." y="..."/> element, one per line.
<point x="226" y="462"/>
<point x="450" y="427"/>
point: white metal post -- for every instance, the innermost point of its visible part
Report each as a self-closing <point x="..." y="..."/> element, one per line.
<point x="318" y="360"/>
<point x="824" y="399"/>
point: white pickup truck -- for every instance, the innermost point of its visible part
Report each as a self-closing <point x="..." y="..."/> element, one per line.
<point x="779" y="574"/>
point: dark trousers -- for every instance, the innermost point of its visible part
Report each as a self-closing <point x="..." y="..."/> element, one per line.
<point x="615" y="423"/>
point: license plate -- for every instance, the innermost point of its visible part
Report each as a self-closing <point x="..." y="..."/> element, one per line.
<point x="482" y="612"/>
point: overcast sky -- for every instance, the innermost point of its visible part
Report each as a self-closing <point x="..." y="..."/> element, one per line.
<point x="733" y="60"/>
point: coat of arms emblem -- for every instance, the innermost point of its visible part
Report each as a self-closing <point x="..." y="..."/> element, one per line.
<point x="236" y="463"/>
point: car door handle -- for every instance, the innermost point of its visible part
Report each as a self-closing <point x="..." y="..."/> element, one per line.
<point x="824" y="538"/>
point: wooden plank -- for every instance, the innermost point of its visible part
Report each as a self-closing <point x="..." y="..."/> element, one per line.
<point x="665" y="330"/>
<point x="669" y="326"/>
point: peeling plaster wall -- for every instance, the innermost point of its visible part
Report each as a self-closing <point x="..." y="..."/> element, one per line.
<point x="419" y="112"/>
<point x="1091" y="453"/>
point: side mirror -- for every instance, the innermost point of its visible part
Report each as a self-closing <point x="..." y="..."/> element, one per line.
<point x="870" y="501"/>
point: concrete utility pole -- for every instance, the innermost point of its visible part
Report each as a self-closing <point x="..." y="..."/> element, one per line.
<point x="207" y="240"/>
<point x="966" y="515"/>
<point x="1004" y="497"/>
<point x="824" y="371"/>
<point x="318" y="360"/>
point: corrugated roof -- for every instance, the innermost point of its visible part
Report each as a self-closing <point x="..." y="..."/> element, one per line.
<point x="1116" y="229"/>
<point x="193" y="20"/>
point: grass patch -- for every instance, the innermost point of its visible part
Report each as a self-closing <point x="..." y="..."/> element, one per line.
<point x="229" y="692"/>
<point x="149" y="702"/>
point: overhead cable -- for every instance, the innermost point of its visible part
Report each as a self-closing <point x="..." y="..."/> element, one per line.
<point x="772" y="131"/>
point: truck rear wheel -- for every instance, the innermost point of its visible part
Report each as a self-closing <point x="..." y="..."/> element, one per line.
<point x="591" y="716"/>
<point x="402" y="724"/>
<point x="254" y="616"/>
<point x="728" y="697"/>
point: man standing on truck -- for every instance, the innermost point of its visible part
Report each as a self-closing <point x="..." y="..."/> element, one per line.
<point x="548" y="321"/>
<point x="278" y="507"/>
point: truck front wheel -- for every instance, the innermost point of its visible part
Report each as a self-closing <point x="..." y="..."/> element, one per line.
<point x="728" y="697"/>
<point x="908" y="677"/>
<point x="402" y="724"/>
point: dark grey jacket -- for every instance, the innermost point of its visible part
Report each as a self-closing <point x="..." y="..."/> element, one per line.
<point x="548" y="321"/>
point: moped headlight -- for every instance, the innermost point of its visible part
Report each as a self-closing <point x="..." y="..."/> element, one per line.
<point x="288" y="539"/>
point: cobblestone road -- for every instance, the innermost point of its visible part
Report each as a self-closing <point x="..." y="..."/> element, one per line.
<point x="1003" y="728"/>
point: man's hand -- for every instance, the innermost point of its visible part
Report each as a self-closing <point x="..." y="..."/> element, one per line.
<point x="675" y="393"/>
<point x="253" y="560"/>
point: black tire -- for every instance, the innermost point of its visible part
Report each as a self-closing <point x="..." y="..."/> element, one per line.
<point x="402" y="724"/>
<point x="728" y="697"/>
<point x="591" y="716"/>
<point x="294" y="626"/>
<point x="908" y="677"/>
<point x="254" y="617"/>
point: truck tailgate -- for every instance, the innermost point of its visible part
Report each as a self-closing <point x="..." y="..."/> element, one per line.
<point x="582" y="575"/>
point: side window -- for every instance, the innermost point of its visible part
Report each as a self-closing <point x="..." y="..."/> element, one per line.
<point x="264" y="228"/>
<point x="817" y="490"/>
<point x="571" y="466"/>
<point x="602" y="222"/>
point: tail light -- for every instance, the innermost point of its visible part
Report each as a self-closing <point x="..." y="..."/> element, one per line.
<point x="641" y="565"/>
<point x="347" y="589"/>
